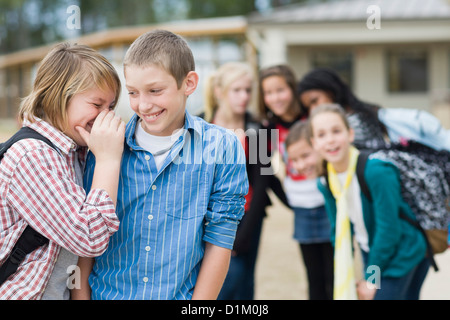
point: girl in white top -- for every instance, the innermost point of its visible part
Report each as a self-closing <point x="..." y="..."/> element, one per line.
<point x="311" y="225"/>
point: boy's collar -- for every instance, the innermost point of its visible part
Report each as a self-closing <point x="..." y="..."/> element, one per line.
<point x="190" y="123"/>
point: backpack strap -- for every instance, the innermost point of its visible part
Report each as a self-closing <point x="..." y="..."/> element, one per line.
<point x="23" y="133"/>
<point x="360" y="167"/>
<point x="30" y="239"/>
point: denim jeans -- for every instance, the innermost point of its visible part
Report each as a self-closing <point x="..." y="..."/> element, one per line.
<point x="403" y="288"/>
<point x="311" y="225"/>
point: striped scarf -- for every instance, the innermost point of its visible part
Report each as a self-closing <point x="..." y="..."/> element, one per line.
<point x="344" y="273"/>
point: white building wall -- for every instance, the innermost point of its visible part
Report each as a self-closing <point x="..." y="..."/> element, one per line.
<point x="292" y="43"/>
<point x="273" y="47"/>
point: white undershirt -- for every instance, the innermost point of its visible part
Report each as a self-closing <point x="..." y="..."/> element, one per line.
<point x="355" y="210"/>
<point x="158" y="146"/>
<point x="303" y="193"/>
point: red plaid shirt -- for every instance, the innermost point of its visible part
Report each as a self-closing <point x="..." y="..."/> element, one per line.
<point x="38" y="188"/>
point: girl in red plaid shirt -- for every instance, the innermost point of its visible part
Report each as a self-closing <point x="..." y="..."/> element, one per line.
<point x="71" y="104"/>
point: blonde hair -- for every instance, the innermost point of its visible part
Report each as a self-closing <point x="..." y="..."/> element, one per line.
<point x="64" y="72"/>
<point x="223" y="78"/>
<point x="164" y="49"/>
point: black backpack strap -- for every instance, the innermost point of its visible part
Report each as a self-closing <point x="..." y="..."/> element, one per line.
<point x="360" y="167"/>
<point x="27" y="243"/>
<point x="30" y="239"/>
<point x="23" y="133"/>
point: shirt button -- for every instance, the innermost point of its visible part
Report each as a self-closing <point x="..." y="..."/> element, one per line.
<point x="153" y="187"/>
<point x="147" y="157"/>
<point x="145" y="279"/>
<point x="150" y="217"/>
<point x="147" y="248"/>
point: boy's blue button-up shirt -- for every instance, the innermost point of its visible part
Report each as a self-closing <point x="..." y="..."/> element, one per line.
<point x="166" y="215"/>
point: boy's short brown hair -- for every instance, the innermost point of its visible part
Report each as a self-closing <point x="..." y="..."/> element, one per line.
<point x="164" y="49"/>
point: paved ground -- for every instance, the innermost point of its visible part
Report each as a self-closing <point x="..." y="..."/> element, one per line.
<point x="280" y="273"/>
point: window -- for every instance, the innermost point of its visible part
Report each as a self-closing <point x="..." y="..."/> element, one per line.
<point x="339" y="61"/>
<point x="407" y="71"/>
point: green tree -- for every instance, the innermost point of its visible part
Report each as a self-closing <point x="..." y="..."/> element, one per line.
<point x="219" y="8"/>
<point x="27" y="23"/>
<point x="102" y="14"/>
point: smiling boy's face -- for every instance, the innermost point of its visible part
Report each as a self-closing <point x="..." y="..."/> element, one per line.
<point x="156" y="98"/>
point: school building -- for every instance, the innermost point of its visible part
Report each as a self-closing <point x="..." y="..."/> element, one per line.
<point x="392" y="52"/>
<point x="395" y="53"/>
<point x="213" y="42"/>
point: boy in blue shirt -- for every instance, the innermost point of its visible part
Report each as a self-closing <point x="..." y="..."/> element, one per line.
<point x="182" y="186"/>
